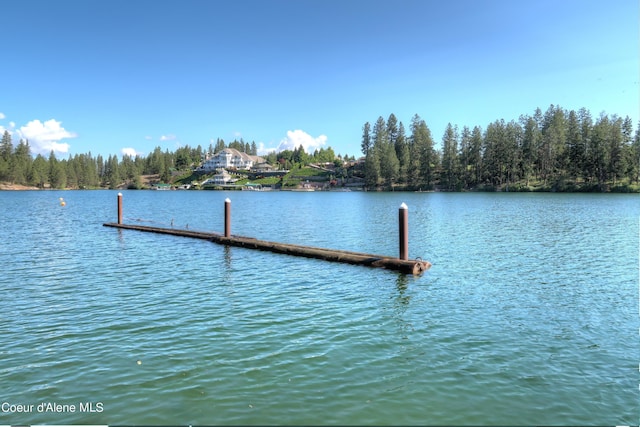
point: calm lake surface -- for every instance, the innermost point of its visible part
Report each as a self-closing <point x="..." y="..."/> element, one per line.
<point x="529" y="314"/>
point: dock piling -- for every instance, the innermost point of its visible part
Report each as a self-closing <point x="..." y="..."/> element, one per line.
<point x="401" y="264"/>
<point x="403" y="226"/>
<point x="227" y="217"/>
<point x="119" y="208"/>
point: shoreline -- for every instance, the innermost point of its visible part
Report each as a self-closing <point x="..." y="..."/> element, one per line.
<point x="16" y="187"/>
<point x="608" y="189"/>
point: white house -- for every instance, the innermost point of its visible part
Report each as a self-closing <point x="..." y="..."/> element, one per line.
<point x="222" y="178"/>
<point x="262" y="167"/>
<point x="230" y="158"/>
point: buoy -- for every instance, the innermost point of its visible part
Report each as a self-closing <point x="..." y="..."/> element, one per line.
<point x="62" y="202"/>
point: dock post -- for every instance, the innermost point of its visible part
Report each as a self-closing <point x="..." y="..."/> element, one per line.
<point x="403" y="225"/>
<point x="119" y="208"/>
<point x="227" y="217"/>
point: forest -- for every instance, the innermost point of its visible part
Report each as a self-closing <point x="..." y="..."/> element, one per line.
<point x="555" y="150"/>
<point x="85" y="171"/>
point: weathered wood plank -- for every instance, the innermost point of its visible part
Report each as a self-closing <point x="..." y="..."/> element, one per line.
<point x="415" y="267"/>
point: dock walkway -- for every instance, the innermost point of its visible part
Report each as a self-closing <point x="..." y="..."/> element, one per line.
<point x="415" y="267"/>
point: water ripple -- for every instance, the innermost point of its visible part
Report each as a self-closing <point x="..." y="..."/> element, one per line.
<point x="524" y="318"/>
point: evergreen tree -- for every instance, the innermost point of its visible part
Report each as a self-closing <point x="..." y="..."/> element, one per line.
<point x="385" y="167"/>
<point x="389" y="164"/>
<point x="465" y="157"/>
<point x="218" y="148"/>
<point x="6" y="150"/>
<point x="630" y="159"/>
<point x="597" y="150"/>
<point x="423" y="149"/>
<point x="39" y="172"/>
<point x="57" y="173"/>
<point x="586" y="132"/>
<point x="635" y="152"/>
<point x="20" y="163"/>
<point x="450" y="162"/>
<point x="72" y="172"/>
<point x="6" y="146"/>
<point x="371" y="169"/>
<point x="392" y="129"/>
<point x="112" y="176"/>
<point x="475" y="155"/>
<point x="616" y="158"/>
<point x="366" y="138"/>
<point x="402" y="152"/>
<point x="576" y="146"/>
<point x="552" y="156"/>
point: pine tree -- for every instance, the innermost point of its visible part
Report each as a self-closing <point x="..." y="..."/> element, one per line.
<point x="450" y="161"/>
<point x="423" y="148"/>
<point x="6" y="150"/>
<point x="475" y="155"/>
<point x="39" y="172"/>
<point x="219" y="146"/>
<point x="636" y="154"/>
<point x="389" y="164"/>
<point x="392" y="129"/>
<point x="402" y="152"/>
<point x="630" y="159"/>
<point x="465" y="157"/>
<point x="20" y="163"/>
<point x="371" y="169"/>
<point x="597" y="151"/>
<point x="366" y="138"/>
<point x="57" y="174"/>
<point x="576" y="146"/>
<point x="6" y="146"/>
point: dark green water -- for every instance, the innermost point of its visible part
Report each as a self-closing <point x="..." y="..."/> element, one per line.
<point x="529" y="314"/>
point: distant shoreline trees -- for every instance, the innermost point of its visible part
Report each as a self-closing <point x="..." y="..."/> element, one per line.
<point x="558" y="150"/>
<point x="555" y="150"/>
<point x="85" y="171"/>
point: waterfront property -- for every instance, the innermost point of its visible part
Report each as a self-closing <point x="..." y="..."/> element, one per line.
<point x="230" y="158"/>
<point x="223" y="178"/>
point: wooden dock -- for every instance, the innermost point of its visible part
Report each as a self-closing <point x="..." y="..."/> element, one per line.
<point x="402" y="264"/>
<point x="415" y="267"/>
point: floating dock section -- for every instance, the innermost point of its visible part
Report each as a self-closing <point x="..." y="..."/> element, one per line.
<point x="401" y="264"/>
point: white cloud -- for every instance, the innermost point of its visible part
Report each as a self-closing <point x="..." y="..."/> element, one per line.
<point x="262" y="150"/>
<point x="2" y="116"/>
<point x="44" y="137"/>
<point x="169" y="137"/>
<point x="128" y="151"/>
<point x="299" y="137"/>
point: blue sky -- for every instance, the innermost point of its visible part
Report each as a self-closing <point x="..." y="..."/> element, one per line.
<point x="108" y="76"/>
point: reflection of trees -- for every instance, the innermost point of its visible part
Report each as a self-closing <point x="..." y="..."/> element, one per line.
<point x="400" y="305"/>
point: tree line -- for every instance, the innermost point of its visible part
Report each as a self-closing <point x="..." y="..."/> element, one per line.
<point x="18" y="166"/>
<point x="555" y="150"/>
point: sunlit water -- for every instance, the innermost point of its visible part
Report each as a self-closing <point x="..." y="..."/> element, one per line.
<point x="529" y="314"/>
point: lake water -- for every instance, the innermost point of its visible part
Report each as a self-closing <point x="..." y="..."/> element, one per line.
<point x="529" y="314"/>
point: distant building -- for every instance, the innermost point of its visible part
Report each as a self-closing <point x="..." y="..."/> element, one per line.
<point x="230" y="158"/>
<point x="222" y="178"/>
<point x="262" y="167"/>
